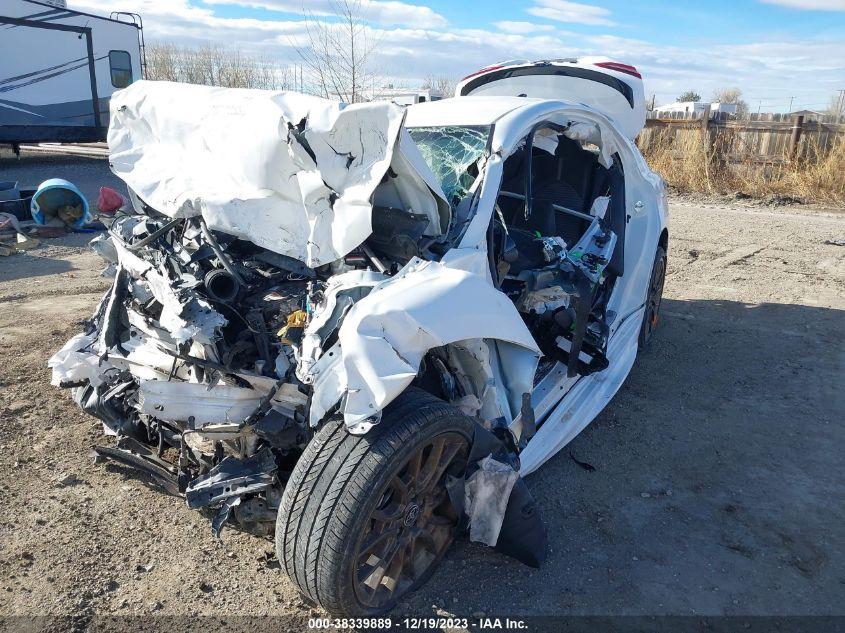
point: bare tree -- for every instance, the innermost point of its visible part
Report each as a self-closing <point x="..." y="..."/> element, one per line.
<point x="162" y="62"/>
<point x="442" y="84"/>
<point x="836" y="106"/>
<point x="337" y="52"/>
<point x="214" y="66"/>
<point x="689" y="95"/>
<point x="734" y="96"/>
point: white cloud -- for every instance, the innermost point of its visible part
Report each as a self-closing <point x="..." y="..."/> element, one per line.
<point x="767" y="72"/>
<point x="811" y="69"/>
<point x="183" y="23"/>
<point x="811" y="5"/>
<point x="571" y="12"/>
<point x="521" y="28"/>
<point x="384" y="12"/>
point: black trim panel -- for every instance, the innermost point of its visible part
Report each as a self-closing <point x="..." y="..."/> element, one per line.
<point x="38" y="24"/>
<point x="549" y="69"/>
<point x="51" y="134"/>
<point x="87" y="15"/>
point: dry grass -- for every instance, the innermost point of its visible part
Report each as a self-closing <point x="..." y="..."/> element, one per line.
<point x="689" y="165"/>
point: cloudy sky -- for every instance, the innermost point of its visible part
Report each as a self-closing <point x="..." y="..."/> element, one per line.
<point x="775" y="50"/>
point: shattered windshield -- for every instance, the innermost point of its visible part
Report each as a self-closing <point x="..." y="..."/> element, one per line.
<point x="451" y="152"/>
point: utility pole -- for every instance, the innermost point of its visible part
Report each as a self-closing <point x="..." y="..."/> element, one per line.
<point x="791" y="99"/>
<point x="840" y="105"/>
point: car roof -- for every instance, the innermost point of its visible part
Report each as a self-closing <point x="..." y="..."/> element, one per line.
<point x="466" y="110"/>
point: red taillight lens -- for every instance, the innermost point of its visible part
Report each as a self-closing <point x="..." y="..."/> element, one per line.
<point x="621" y="68"/>
<point x="483" y="70"/>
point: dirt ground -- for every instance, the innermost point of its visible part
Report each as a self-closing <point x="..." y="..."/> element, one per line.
<point x="718" y="487"/>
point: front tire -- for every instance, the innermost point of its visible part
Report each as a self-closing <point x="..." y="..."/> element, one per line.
<point x="364" y="520"/>
<point x="654" y="297"/>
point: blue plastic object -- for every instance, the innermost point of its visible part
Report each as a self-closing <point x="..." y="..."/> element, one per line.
<point x="53" y="194"/>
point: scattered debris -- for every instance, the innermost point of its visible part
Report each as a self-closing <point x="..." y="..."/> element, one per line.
<point x="48" y="231"/>
<point x="835" y="242"/>
<point x="109" y="201"/>
<point x="779" y="200"/>
<point x="487" y="492"/>
<point x="66" y="479"/>
<point x="585" y="465"/>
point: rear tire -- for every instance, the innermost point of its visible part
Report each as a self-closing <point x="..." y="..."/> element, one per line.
<point x="654" y="297"/>
<point x="364" y="520"/>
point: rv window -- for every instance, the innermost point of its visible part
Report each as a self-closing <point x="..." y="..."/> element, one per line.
<point x="120" y="65"/>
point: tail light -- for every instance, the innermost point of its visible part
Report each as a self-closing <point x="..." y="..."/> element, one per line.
<point x="621" y="68"/>
<point x="483" y="70"/>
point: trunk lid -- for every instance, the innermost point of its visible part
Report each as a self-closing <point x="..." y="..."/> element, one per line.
<point x="613" y="88"/>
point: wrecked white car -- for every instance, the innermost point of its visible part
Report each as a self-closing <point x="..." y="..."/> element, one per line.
<point x="358" y="327"/>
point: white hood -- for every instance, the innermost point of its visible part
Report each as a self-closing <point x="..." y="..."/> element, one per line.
<point x="292" y="173"/>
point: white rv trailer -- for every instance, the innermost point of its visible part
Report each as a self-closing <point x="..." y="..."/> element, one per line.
<point x="59" y="67"/>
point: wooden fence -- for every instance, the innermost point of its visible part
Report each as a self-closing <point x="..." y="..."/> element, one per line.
<point x="764" y="138"/>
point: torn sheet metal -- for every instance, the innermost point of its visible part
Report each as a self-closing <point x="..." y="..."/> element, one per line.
<point x="232" y="477"/>
<point x="339" y="295"/>
<point x="71" y="364"/>
<point x="289" y="172"/>
<point x="184" y="401"/>
<point x="425" y="305"/>
<point x="134" y="454"/>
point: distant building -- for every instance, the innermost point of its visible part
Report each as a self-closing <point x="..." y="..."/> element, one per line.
<point x="691" y="108"/>
<point x="809" y="115"/>
<point x="406" y="96"/>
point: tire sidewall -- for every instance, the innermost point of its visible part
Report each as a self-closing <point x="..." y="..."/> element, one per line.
<point x="345" y="565"/>
<point x="659" y="263"/>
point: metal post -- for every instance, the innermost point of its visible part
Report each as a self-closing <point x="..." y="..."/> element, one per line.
<point x="92" y="73"/>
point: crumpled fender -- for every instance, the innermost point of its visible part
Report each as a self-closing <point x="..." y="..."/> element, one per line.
<point x="386" y="334"/>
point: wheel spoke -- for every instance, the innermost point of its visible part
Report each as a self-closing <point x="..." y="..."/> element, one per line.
<point x="390" y="514"/>
<point x="375" y="540"/>
<point x="394" y="572"/>
<point x="411" y="559"/>
<point x="414" y="466"/>
<point x="441" y="456"/>
<point x="435" y="520"/>
<point x="400" y="488"/>
<point x="436" y="497"/>
<point x="428" y="540"/>
<point x="374" y="579"/>
<point x="431" y="464"/>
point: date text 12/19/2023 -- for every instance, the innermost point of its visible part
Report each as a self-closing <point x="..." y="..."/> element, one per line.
<point x="420" y="623"/>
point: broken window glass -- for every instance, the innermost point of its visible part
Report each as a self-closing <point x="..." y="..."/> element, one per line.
<point x="450" y="151"/>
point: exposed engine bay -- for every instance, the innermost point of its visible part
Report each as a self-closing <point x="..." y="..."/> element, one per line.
<point x="196" y="348"/>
